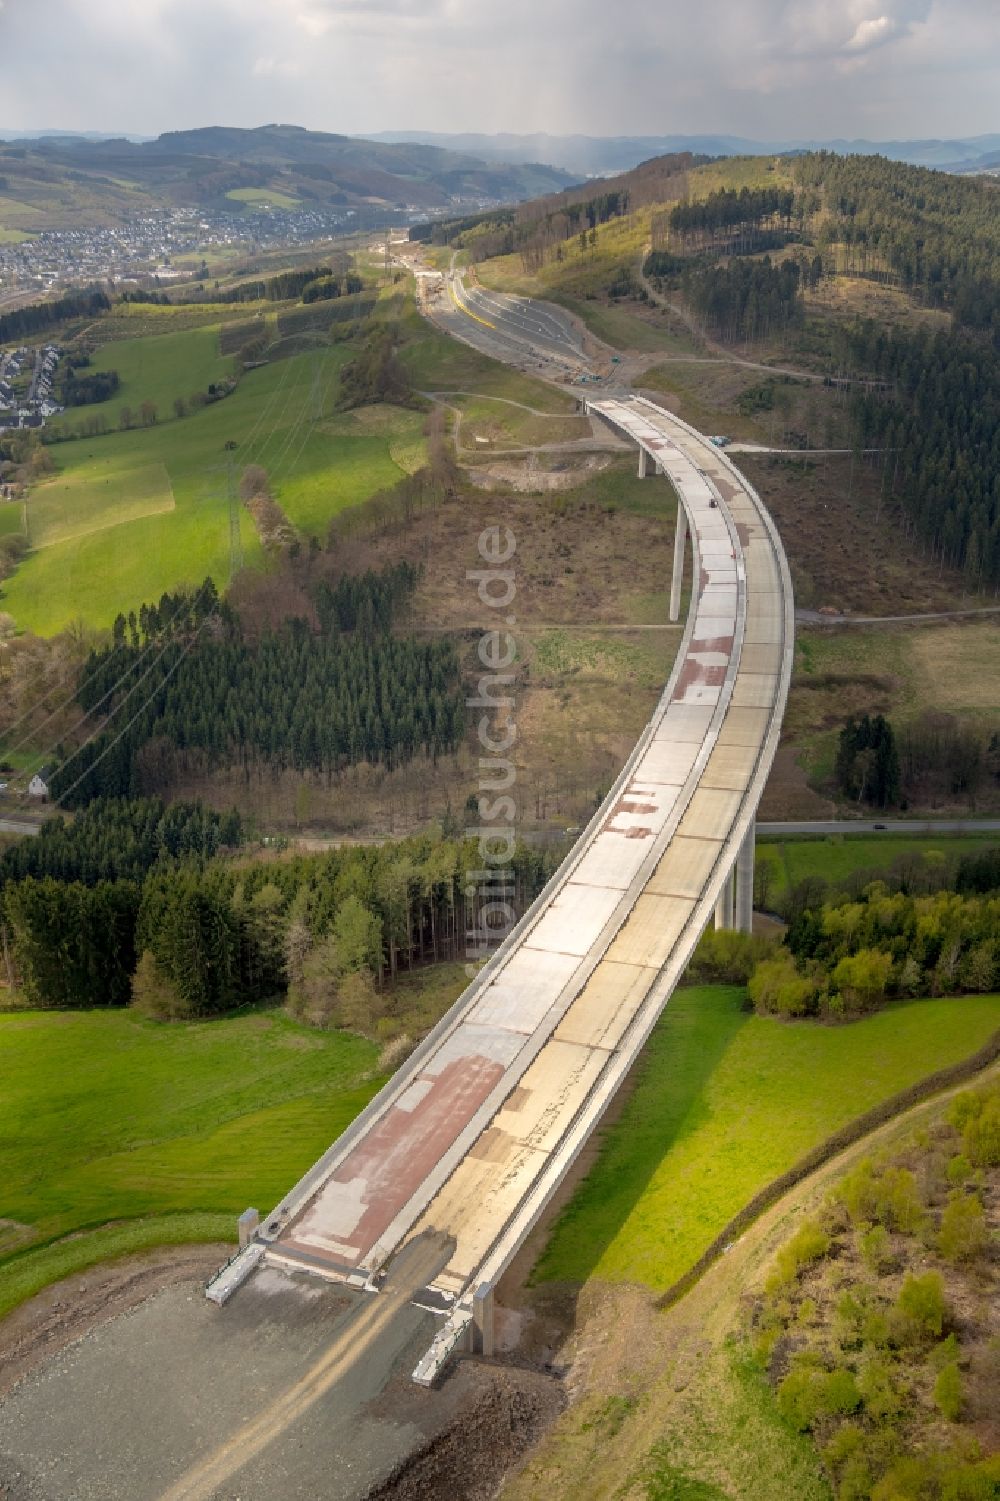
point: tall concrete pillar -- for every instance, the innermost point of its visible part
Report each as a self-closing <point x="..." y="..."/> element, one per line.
<point x="643" y="462"/>
<point x="724" y="906"/>
<point x="744" y="883"/>
<point x="482" y="1319"/>
<point x="680" y="539"/>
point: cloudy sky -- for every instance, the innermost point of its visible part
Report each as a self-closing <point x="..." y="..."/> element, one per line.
<point x="764" y="68"/>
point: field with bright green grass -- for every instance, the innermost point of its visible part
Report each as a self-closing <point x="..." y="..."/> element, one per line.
<point x="257" y="196"/>
<point x="131" y="514"/>
<point x="120" y="1133"/>
<point x="11" y="518"/>
<point x="725" y="1102"/>
<point x="106" y="493"/>
<point x="156" y="368"/>
<point x="836" y="858"/>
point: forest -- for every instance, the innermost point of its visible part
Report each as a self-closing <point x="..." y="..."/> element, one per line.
<point x="195" y="935"/>
<point x="114" y="840"/>
<point x="26" y="322"/>
<point x="376" y="373"/>
<point x="534" y="229"/>
<point x="867" y="767"/>
<point x="82" y="390"/>
<point x="745" y="300"/>
<point x="933" y="233"/>
<point x="934" y="757"/>
<point x="189" y="683"/>
<point x="287" y="286"/>
<point x="931" y="405"/>
<point x="740" y="222"/>
<point x="843" y="958"/>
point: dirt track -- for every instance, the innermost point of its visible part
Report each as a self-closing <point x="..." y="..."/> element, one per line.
<point x="127" y="1385"/>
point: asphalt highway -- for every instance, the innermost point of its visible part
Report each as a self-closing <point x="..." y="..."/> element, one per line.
<point x="518" y="331"/>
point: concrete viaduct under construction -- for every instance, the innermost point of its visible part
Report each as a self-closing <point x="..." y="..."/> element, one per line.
<point x="474" y="1134"/>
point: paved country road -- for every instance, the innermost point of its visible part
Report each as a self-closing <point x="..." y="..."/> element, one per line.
<point x="883" y="826"/>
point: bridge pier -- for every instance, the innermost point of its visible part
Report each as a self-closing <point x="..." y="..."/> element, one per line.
<point x="744" y="882"/>
<point x="724" y="905"/>
<point x="482" y="1319"/>
<point x="680" y="540"/>
<point x="643" y="463"/>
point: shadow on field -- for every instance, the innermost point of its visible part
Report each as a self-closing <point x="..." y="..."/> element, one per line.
<point x="661" y="1102"/>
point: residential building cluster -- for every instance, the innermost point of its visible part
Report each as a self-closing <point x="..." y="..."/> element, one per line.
<point x="27" y="377"/>
<point x="146" y="250"/>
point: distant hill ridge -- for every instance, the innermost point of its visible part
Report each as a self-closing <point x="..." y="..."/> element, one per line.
<point x="307" y="168"/>
<point x="593" y="155"/>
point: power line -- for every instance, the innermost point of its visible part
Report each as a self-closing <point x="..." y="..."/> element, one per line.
<point x="141" y="710"/>
<point x="39" y="758"/>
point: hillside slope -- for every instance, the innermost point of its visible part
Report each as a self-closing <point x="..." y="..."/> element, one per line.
<point x="44" y="182"/>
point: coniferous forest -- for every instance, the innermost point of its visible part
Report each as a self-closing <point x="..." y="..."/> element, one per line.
<point x="935" y="234"/>
<point x="181" y="677"/>
<point x="114" y="840"/>
<point x="927" y="399"/>
<point x="166" y="918"/>
<point x="933" y="408"/>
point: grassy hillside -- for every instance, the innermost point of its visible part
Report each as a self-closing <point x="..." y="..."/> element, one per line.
<point x="675" y="1404"/>
<point x="107" y="1118"/>
<point x="726" y="1101"/>
<point x="882" y="1302"/>
<point x="130" y="514"/>
<point x="157" y="368"/>
<point x="55" y="184"/>
<point x="950" y="668"/>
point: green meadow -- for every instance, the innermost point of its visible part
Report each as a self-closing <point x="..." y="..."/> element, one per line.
<point x="726" y="1101"/>
<point x="263" y="195"/>
<point x="130" y="514"/>
<point x="119" y="1133"/>
<point x="840" y="856"/>
<point x="11" y="521"/>
<point x="156" y="368"/>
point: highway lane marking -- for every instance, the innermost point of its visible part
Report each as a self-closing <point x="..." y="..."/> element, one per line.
<point x="419" y="1263"/>
<point x="463" y="308"/>
<point x="522" y="310"/>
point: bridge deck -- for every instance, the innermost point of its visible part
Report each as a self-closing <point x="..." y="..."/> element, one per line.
<point x="474" y="1133"/>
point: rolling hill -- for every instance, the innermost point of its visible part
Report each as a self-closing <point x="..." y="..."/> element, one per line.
<point x="49" y="182"/>
<point x="596" y="156"/>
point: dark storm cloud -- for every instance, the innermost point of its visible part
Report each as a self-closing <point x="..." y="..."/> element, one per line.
<point x="753" y="67"/>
